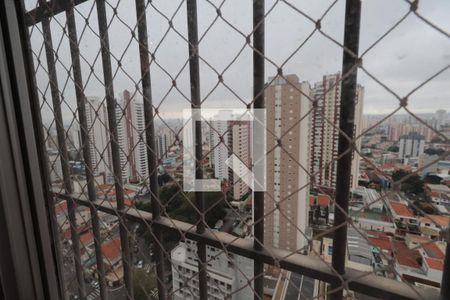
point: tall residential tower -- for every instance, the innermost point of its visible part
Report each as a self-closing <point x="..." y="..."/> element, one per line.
<point x="287" y="162"/>
<point x="325" y="134"/>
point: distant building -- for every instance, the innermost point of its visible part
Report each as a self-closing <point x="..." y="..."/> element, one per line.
<point x="287" y="164"/>
<point x="228" y="274"/>
<point x="228" y="138"/>
<point x="219" y="148"/>
<point x="428" y="164"/>
<point x="99" y="137"/>
<point x="165" y="139"/>
<point x="441" y="118"/>
<point x="54" y="165"/>
<point x="404" y="219"/>
<point x="411" y="145"/>
<point x="131" y="138"/>
<point x="239" y="144"/>
<point x="324" y="131"/>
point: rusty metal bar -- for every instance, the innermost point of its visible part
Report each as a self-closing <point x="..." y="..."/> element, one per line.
<point x="62" y="149"/>
<point x="49" y="9"/>
<point x="445" y="282"/>
<point x="141" y="18"/>
<point x="346" y="126"/>
<point x="81" y="102"/>
<point x="112" y="123"/>
<point x="194" y="72"/>
<point x="258" y="95"/>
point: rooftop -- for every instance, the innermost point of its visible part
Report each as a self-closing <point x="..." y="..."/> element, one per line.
<point x="111" y="249"/>
<point x="438" y="188"/>
<point x="440" y="220"/>
<point x="370" y="214"/>
<point x="86" y="238"/>
<point x="381" y="243"/>
<point x="437" y="264"/>
<point x="321" y="200"/>
<point x="433" y="251"/>
<point x="401" y="209"/>
<point x="406" y="256"/>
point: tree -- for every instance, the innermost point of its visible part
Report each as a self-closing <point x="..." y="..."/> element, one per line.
<point x="437" y="139"/>
<point x="432" y="151"/>
<point x="180" y="206"/>
<point x="143" y="284"/>
<point x="413" y="184"/>
<point x="163" y="179"/>
<point x="393" y="148"/>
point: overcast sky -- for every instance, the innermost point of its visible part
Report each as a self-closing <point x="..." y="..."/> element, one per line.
<point x="405" y="58"/>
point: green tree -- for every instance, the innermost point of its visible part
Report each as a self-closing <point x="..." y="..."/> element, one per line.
<point x="163" y="179"/>
<point x="432" y="151"/>
<point x="413" y="184"/>
<point x="393" y="148"/>
<point x="437" y="139"/>
<point x="143" y="284"/>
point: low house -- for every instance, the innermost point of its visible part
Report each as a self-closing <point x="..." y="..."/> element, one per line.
<point x="404" y="218"/>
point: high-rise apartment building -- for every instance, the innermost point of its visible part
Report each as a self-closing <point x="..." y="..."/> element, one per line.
<point x="131" y="138"/>
<point x="239" y="144"/>
<point x="325" y="134"/>
<point x="165" y="139"/>
<point x="227" y="138"/>
<point x="99" y="146"/>
<point x="411" y="145"/>
<point x="441" y="118"/>
<point x="287" y="162"/>
<point x="359" y="127"/>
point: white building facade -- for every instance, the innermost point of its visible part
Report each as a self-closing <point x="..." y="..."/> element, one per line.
<point x="411" y="145"/>
<point x="99" y="146"/>
<point x="131" y="138"/>
<point x="287" y="162"/>
<point x="228" y="275"/>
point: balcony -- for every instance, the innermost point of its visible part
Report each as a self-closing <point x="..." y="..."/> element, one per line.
<point x="103" y="213"/>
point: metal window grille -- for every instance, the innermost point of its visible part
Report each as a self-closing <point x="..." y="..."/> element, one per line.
<point x="58" y="27"/>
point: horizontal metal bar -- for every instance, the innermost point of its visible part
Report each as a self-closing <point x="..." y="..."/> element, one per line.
<point x="360" y="282"/>
<point x="49" y="9"/>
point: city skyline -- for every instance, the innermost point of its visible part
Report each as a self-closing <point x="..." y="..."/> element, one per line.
<point x="407" y="68"/>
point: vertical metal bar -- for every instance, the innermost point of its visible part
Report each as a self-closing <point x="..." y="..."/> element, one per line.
<point x="346" y="125"/>
<point x="81" y="102"/>
<point x="61" y="137"/>
<point x="194" y="72"/>
<point x="45" y="173"/>
<point x="258" y="95"/>
<point x="111" y="107"/>
<point x="141" y="18"/>
<point x="445" y="283"/>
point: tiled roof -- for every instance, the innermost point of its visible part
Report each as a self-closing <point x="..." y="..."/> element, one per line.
<point x="111" y="249"/>
<point x="321" y="200"/>
<point x="382" y="243"/>
<point x="437" y="264"/>
<point x="401" y="209"/>
<point x="406" y="256"/>
<point x="440" y="220"/>
<point x="86" y="238"/>
<point x="433" y="251"/>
